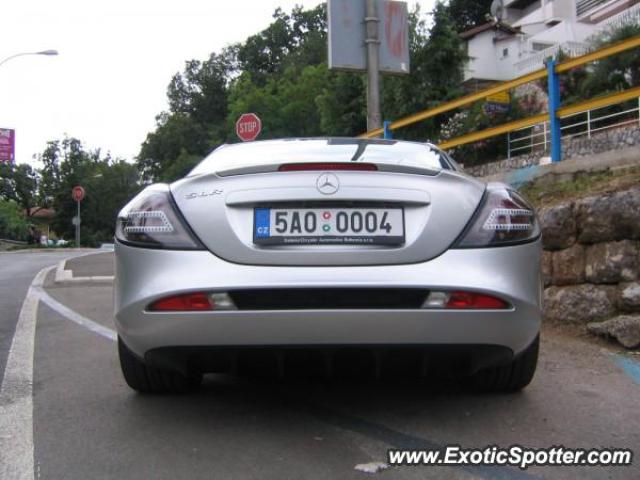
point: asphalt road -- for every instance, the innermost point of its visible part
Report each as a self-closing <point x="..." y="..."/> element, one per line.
<point x="16" y="273"/>
<point x="88" y="424"/>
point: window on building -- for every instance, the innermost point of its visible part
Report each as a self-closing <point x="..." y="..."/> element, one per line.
<point x="505" y="52"/>
<point x="537" y="46"/>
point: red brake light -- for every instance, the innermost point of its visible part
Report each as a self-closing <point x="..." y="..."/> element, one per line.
<point x="301" y="167"/>
<point x="471" y="300"/>
<point x="190" y="302"/>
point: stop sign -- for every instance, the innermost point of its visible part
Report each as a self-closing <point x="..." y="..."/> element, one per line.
<point x="77" y="193"/>
<point x="248" y="127"/>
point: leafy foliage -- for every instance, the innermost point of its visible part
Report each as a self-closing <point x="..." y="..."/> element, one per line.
<point x="469" y="13"/>
<point x="342" y="105"/>
<point x="292" y="40"/>
<point x="109" y="183"/>
<point x="198" y="103"/>
<point x="18" y="183"/>
<point x="173" y="148"/>
<point x="615" y="73"/>
<point x="475" y="118"/>
<point x="281" y="75"/>
<point x="13" y="224"/>
<point x="437" y="56"/>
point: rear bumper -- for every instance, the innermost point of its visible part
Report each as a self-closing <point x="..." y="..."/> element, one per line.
<point x="144" y="275"/>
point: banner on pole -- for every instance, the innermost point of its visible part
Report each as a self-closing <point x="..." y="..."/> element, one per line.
<point x="347" y="49"/>
<point x="7" y="145"/>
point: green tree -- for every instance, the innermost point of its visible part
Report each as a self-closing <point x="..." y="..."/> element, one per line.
<point x="176" y="135"/>
<point x="285" y="104"/>
<point x="263" y="54"/>
<point x="195" y="122"/>
<point x="109" y="184"/>
<point x="277" y="73"/>
<point x="342" y="105"/>
<point x="437" y="62"/>
<point x="309" y="32"/>
<point x="467" y="14"/>
<point x="113" y="182"/>
<point x="617" y="72"/>
<point x="19" y="183"/>
<point x="200" y="91"/>
<point x="13" y="224"/>
<point x="281" y="74"/>
<point x="298" y="39"/>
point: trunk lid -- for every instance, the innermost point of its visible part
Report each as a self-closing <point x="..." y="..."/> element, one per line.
<point x="220" y="210"/>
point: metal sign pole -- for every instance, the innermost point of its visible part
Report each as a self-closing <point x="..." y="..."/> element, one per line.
<point x="78" y="226"/>
<point x="387" y="130"/>
<point x="374" y="118"/>
<point x="554" y="105"/>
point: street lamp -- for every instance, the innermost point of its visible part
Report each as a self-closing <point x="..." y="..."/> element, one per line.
<point x="43" y="52"/>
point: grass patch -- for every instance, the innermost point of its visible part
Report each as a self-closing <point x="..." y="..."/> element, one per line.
<point x="543" y="193"/>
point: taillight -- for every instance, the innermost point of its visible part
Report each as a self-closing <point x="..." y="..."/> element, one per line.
<point x="193" y="302"/>
<point x="505" y="218"/>
<point x="462" y="300"/>
<point x="190" y="302"/>
<point x="474" y="301"/>
<point x="152" y="220"/>
<point x="302" y="167"/>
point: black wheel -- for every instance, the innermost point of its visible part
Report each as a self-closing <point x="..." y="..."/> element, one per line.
<point x="509" y="378"/>
<point x="147" y="379"/>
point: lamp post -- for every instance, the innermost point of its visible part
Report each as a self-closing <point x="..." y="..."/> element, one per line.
<point x="43" y="52"/>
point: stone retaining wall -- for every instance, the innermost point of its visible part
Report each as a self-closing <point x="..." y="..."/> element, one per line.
<point x="591" y="263"/>
<point x="599" y="142"/>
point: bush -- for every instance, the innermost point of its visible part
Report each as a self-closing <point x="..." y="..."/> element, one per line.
<point x="475" y="118"/>
<point x="13" y="224"/>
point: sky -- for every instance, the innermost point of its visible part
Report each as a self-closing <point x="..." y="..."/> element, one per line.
<point x="115" y="61"/>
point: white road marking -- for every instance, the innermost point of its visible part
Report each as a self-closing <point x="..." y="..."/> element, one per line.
<point x="16" y="393"/>
<point x="75" y="316"/>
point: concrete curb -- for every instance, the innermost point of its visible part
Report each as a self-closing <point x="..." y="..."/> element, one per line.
<point x="612" y="159"/>
<point x="64" y="276"/>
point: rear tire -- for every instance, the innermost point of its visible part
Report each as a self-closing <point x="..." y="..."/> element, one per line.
<point x="511" y="377"/>
<point x="148" y="379"/>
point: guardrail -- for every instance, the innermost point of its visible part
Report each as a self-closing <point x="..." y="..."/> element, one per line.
<point x="625" y="17"/>
<point x="528" y="139"/>
<point x="543" y="117"/>
<point x="534" y="61"/>
<point x="555" y="111"/>
<point x="13" y="242"/>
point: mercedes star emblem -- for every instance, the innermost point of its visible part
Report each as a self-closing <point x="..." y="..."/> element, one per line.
<point x="328" y="184"/>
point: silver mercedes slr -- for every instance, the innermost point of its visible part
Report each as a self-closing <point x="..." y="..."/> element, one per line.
<point x="328" y="254"/>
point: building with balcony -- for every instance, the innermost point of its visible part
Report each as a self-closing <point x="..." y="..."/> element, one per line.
<point x="532" y="30"/>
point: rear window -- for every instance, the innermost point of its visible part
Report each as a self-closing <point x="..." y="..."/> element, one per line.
<point x="278" y="152"/>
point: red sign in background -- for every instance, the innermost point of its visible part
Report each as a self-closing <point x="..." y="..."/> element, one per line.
<point x="248" y="127"/>
<point x="77" y="193"/>
<point x="395" y="29"/>
<point x="7" y="145"/>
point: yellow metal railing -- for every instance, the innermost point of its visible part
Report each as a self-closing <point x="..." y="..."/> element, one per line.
<point x="529" y="121"/>
<point x="505" y="86"/>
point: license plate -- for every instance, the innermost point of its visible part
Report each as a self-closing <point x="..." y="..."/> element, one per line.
<point x="328" y="226"/>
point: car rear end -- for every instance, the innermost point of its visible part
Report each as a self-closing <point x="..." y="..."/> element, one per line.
<point x="327" y="245"/>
